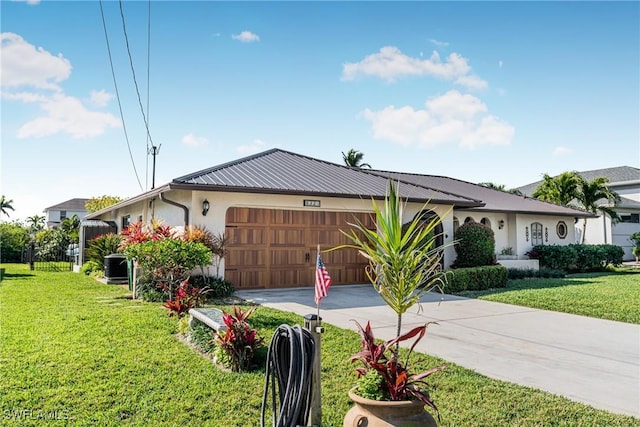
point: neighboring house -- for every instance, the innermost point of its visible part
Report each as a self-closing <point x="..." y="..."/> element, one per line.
<point x="57" y="213"/>
<point x="624" y="180"/>
<point x="275" y="207"/>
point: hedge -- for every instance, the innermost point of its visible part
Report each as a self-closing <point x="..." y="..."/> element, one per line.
<point x="577" y="258"/>
<point x="476" y="278"/>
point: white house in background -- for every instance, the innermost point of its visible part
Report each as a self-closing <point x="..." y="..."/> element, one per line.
<point x="624" y="180"/>
<point x="57" y="213"/>
<point x="275" y="207"/>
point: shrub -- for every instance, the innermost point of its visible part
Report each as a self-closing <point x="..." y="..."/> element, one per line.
<point x="475" y="247"/>
<point x="201" y="336"/>
<point x="186" y="297"/>
<point x="577" y="257"/>
<point x="149" y="292"/>
<point x="239" y="342"/>
<point x="13" y="238"/>
<point x="218" y="287"/>
<point x="102" y="246"/>
<point x="476" y="278"/>
<point x="517" y="273"/>
<point x="89" y="267"/>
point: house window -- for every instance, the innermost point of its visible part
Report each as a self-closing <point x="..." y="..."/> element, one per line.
<point x="468" y="220"/>
<point x="485" y="221"/>
<point x="633" y="218"/>
<point x="456" y="225"/>
<point x="536" y="234"/>
<point x="561" y="229"/>
<point x="63" y="215"/>
<point x="126" y="221"/>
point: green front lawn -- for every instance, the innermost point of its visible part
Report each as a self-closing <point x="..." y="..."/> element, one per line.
<point x="80" y="351"/>
<point x="612" y="296"/>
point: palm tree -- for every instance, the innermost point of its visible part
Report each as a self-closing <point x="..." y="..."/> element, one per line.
<point x="70" y="226"/>
<point x="593" y="195"/>
<point x="5" y="204"/>
<point x="560" y="190"/>
<point x="353" y="159"/>
<point x="36" y="222"/>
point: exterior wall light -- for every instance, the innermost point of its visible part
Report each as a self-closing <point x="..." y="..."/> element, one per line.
<point x="501" y="224"/>
<point x="205" y="207"/>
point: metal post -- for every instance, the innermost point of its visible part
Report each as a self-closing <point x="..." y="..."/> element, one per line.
<point x="312" y="323"/>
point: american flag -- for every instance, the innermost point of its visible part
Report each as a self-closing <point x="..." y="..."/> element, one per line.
<point x="323" y="280"/>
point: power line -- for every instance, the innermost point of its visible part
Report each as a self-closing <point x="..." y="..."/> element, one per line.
<point x="115" y="84"/>
<point x="133" y="71"/>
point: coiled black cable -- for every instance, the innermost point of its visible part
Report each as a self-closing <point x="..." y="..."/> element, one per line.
<point x="290" y="365"/>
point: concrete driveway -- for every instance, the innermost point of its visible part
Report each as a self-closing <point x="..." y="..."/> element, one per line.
<point x="587" y="360"/>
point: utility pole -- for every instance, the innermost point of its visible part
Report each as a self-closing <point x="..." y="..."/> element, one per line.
<point x="154" y="151"/>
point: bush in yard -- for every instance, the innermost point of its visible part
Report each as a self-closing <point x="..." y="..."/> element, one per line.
<point x="13" y="238"/>
<point x="237" y="345"/>
<point x="577" y="257"/>
<point x="168" y="262"/>
<point x="102" y="246"/>
<point x="517" y="273"/>
<point x="91" y="267"/>
<point x="186" y="297"/>
<point x="475" y="246"/>
<point x="218" y="287"/>
<point x="476" y="278"/>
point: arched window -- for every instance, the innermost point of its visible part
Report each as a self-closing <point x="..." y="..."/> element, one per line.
<point x="456" y="225"/>
<point x="536" y="234"/>
<point x="485" y="221"/>
<point x="468" y="219"/>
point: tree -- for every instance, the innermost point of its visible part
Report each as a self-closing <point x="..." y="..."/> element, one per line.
<point x="6" y="204"/>
<point x="353" y="159"/>
<point x="98" y="203"/>
<point x="596" y="197"/>
<point x="36" y="223"/>
<point x="560" y="190"/>
<point x="71" y="226"/>
<point x="501" y="187"/>
<point x="13" y="239"/>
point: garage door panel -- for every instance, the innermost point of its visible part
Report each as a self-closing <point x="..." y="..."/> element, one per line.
<point x="277" y="248"/>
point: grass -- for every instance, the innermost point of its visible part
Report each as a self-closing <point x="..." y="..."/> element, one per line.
<point x="612" y="296"/>
<point x="83" y="352"/>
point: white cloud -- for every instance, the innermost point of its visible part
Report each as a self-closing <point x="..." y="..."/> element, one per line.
<point x="100" y="98"/>
<point x="246" y="37"/>
<point x="390" y="63"/>
<point x="452" y="118"/>
<point x="29" y="2"/>
<point x="194" y="141"/>
<point x="24" y="96"/>
<point x="25" y="65"/>
<point x="439" y="43"/>
<point x="561" y="151"/>
<point x="67" y="114"/>
<point x="256" y="146"/>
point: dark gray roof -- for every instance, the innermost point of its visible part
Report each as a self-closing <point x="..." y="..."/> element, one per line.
<point x="495" y="200"/>
<point x="284" y="172"/>
<point x="617" y="175"/>
<point x="627" y="203"/>
<point x="69" y="205"/>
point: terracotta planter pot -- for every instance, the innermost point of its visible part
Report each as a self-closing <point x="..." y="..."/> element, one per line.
<point x="376" y="413"/>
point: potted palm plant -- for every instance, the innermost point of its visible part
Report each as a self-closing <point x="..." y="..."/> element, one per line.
<point x="404" y="263"/>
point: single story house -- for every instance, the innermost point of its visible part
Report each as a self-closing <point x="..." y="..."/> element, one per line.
<point x="624" y="180"/>
<point x="275" y="207"/>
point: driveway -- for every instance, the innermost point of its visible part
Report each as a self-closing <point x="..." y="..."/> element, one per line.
<point x="587" y="360"/>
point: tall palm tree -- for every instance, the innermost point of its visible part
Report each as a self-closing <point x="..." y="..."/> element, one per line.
<point x="6" y="204"/>
<point x="353" y="159"/>
<point x="596" y="197"/>
<point x="560" y="190"/>
<point x="36" y="222"/>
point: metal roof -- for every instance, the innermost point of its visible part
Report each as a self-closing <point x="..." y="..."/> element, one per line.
<point x="495" y="200"/>
<point x="283" y="172"/>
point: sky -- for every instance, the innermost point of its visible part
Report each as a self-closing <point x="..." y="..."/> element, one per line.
<point x="498" y="92"/>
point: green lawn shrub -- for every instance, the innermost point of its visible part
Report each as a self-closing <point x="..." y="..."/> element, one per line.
<point x="13" y="239"/>
<point x="475" y="246"/>
<point x="219" y="288"/>
<point x="577" y="257"/>
<point x="102" y="246"/>
<point x="517" y="273"/>
<point x="476" y="278"/>
<point x="90" y="267"/>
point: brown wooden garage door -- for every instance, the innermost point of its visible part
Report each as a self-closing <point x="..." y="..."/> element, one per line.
<point x="271" y="248"/>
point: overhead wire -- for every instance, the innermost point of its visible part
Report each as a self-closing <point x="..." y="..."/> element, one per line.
<point x="133" y="72"/>
<point x="115" y="84"/>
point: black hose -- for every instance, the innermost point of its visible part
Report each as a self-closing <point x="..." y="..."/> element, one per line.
<point x="290" y="364"/>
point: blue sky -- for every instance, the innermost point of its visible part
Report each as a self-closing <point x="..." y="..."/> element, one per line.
<point x="480" y="91"/>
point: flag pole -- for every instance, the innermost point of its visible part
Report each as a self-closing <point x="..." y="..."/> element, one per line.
<point x="318" y="302"/>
